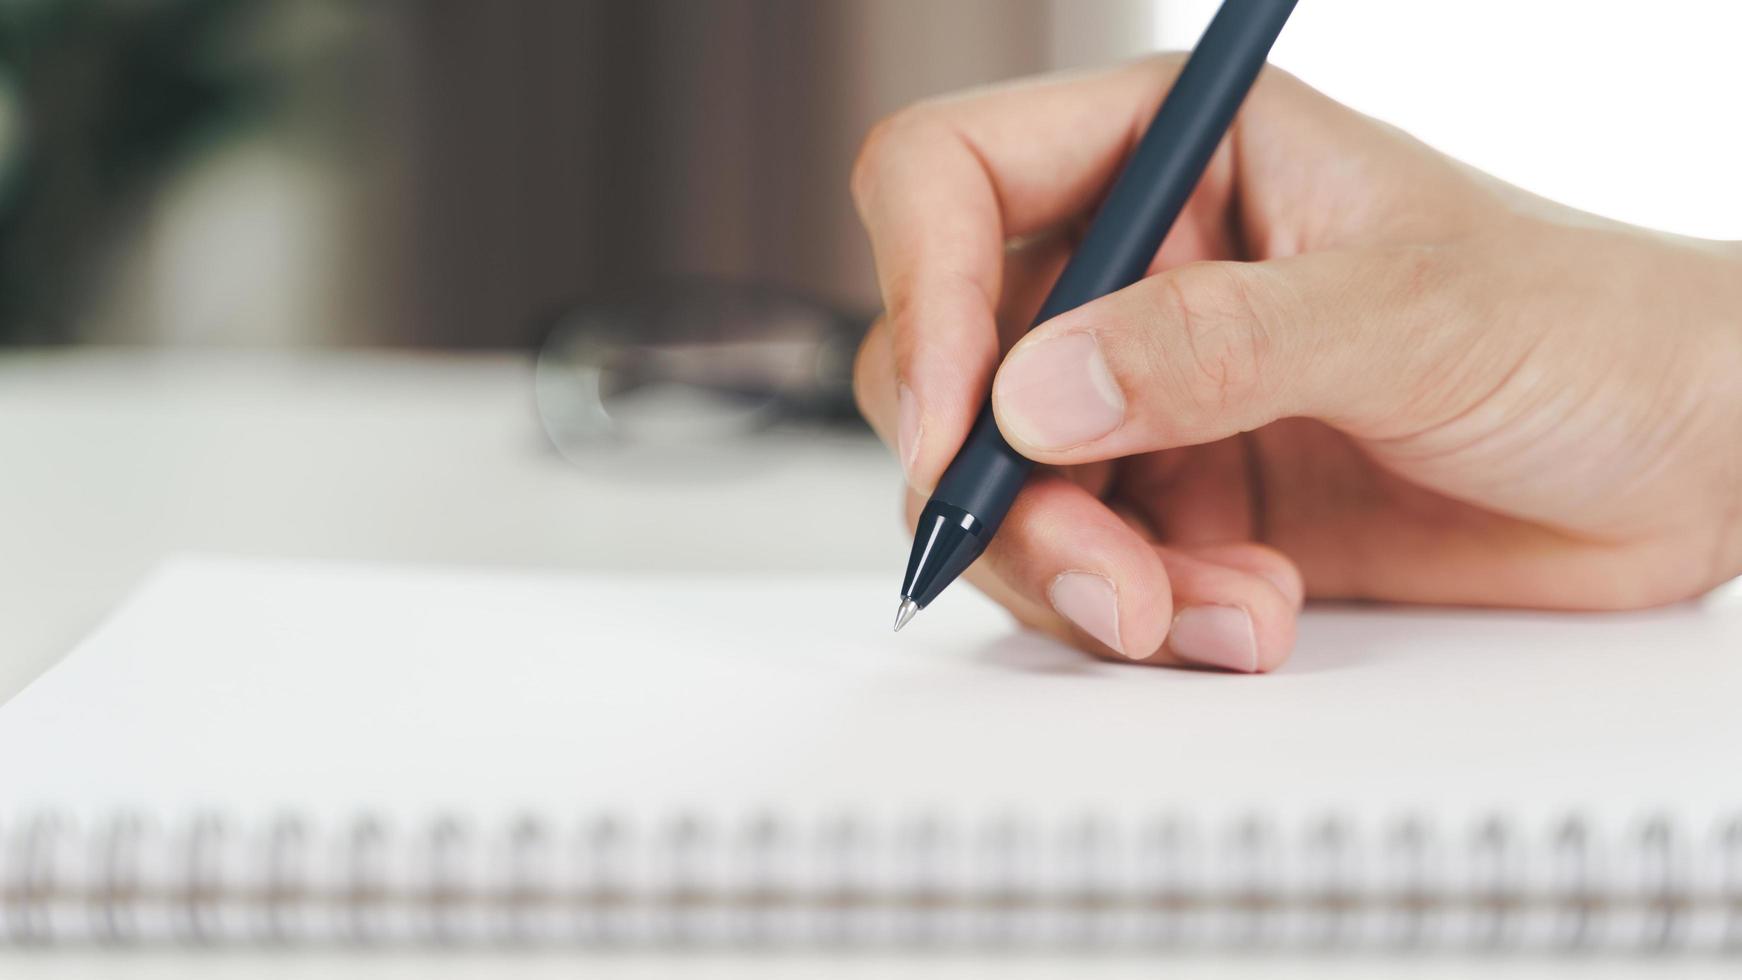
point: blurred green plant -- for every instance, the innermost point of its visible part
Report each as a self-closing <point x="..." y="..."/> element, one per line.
<point x="98" y="98"/>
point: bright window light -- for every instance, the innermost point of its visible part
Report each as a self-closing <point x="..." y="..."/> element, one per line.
<point x="1626" y="109"/>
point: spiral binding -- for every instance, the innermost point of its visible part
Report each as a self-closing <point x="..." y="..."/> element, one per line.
<point x="762" y="881"/>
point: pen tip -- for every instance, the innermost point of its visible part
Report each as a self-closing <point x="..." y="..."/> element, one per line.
<point x="905" y="613"/>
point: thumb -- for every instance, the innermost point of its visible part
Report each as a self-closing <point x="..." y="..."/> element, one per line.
<point x="1211" y="349"/>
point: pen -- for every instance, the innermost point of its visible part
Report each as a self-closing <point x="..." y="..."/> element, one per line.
<point x="977" y="489"/>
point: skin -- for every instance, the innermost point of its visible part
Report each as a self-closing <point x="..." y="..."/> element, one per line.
<point x="1357" y="368"/>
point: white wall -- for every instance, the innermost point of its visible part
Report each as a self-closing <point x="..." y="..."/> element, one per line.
<point x="1629" y="109"/>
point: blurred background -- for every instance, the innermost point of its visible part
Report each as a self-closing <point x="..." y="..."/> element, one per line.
<point x="451" y="173"/>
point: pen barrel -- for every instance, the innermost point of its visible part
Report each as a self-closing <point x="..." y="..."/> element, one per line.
<point x="984" y="477"/>
<point x="1170" y="159"/>
<point x="1145" y="200"/>
<point x="981" y="483"/>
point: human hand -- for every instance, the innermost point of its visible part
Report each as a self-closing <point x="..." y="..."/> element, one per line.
<point x="1356" y="369"/>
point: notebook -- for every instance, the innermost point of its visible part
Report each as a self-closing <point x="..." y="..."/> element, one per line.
<point x="293" y="752"/>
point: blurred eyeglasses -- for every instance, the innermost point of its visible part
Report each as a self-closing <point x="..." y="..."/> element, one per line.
<point x="691" y="366"/>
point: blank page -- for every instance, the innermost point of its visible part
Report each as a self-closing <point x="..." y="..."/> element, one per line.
<point x="254" y="685"/>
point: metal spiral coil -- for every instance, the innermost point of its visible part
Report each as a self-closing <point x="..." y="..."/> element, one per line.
<point x="695" y="880"/>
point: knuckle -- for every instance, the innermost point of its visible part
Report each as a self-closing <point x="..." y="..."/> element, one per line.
<point x="1165" y="64"/>
<point x="875" y="150"/>
<point x="1223" y="333"/>
<point x="1271" y="76"/>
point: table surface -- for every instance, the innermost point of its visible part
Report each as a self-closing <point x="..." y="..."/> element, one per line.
<point x="113" y="459"/>
<point x="110" y="460"/>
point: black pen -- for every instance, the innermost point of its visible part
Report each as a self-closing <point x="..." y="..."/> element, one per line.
<point x="981" y="483"/>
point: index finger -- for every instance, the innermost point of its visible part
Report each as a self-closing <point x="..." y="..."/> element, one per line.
<point x="942" y="186"/>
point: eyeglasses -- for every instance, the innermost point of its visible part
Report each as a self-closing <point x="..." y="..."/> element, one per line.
<point x="688" y="365"/>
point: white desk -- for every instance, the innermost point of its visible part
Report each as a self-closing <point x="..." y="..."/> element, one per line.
<point x="109" y="460"/>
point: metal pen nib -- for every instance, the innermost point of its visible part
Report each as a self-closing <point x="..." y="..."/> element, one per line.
<point x="905" y="613"/>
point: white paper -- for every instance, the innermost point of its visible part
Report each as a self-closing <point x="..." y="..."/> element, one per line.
<point x="253" y="685"/>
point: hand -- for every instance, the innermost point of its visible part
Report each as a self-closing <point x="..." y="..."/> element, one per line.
<point x="1357" y="369"/>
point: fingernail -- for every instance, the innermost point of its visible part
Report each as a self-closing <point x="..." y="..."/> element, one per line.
<point x="1215" y="636"/>
<point x="1090" y="601"/>
<point x="907" y="429"/>
<point x="1059" y="393"/>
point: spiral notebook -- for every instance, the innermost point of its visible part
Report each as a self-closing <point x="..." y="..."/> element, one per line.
<point x="255" y="751"/>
